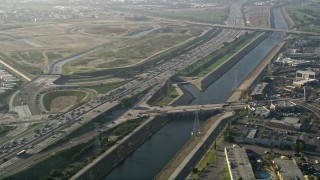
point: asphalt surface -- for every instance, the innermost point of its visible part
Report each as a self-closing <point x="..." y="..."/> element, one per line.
<point x="26" y="101"/>
<point x="72" y="120"/>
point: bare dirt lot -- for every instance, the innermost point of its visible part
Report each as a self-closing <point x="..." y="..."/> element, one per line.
<point x="135" y="49"/>
<point x="62" y="103"/>
<point x="34" y="46"/>
<point x="258" y="16"/>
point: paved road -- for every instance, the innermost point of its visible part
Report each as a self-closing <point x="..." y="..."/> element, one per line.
<point x="56" y="68"/>
<point x="260" y="29"/>
<point x="26" y="101"/>
<point x="105" y="102"/>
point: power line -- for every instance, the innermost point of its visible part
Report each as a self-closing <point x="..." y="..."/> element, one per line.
<point x="196" y="125"/>
<point x="97" y="142"/>
<point x="235" y="80"/>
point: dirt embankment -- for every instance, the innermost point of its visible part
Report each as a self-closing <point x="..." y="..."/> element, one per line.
<point x="62" y="103"/>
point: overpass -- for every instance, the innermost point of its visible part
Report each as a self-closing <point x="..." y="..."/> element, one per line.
<point x="267" y="29"/>
<point x="189" y="108"/>
<point x="258" y="29"/>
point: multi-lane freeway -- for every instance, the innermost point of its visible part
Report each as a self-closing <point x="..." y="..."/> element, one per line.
<point x="64" y="124"/>
<point x="247" y="28"/>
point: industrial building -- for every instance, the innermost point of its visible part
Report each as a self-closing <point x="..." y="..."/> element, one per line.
<point x="7" y="81"/>
<point x="290" y="123"/>
<point x="287" y="169"/>
<point x="260" y="111"/>
<point x="259" y="91"/>
<point x="283" y="105"/>
<point x="293" y="62"/>
<point x="268" y="138"/>
<point x="305" y="82"/>
<point x="238" y="163"/>
<point x="306" y="75"/>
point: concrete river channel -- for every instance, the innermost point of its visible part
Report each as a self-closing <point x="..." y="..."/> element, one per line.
<point x="148" y="160"/>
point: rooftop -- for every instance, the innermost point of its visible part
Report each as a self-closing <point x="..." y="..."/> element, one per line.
<point x="266" y="136"/>
<point x="291" y="61"/>
<point x="306" y="71"/>
<point x="304" y="81"/>
<point x="291" y="120"/>
<point x="238" y="163"/>
<point x="259" y="88"/>
<point x="284" y="104"/>
<point x="262" y="110"/>
<point x="288" y="169"/>
<point x="285" y="125"/>
<point x="252" y="133"/>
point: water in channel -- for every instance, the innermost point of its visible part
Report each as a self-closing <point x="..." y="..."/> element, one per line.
<point x="147" y="161"/>
<point x="219" y="91"/>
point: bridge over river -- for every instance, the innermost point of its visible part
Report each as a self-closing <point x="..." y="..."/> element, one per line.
<point x="188" y="108"/>
<point x="258" y="29"/>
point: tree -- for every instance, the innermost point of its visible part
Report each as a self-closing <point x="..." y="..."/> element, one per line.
<point x="121" y="151"/>
<point x="55" y="173"/>
<point x="271" y="143"/>
<point x="310" y="116"/>
<point x="298" y="146"/>
<point x="301" y="145"/>
<point x="149" y="127"/>
<point x="215" y="145"/>
<point x="267" y="80"/>
<point x="295" y="148"/>
<point x="130" y="145"/>
<point x="194" y="170"/>
<point x="281" y="144"/>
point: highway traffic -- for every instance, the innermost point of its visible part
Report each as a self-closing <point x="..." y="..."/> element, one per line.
<point x="61" y="125"/>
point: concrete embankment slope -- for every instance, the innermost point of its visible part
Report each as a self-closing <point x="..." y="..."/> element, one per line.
<point x="183" y="99"/>
<point x="14" y="71"/>
<point x="193" y="150"/>
<point x="251" y="78"/>
<point x="218" y="72"/>
<point x="102" y="165"/>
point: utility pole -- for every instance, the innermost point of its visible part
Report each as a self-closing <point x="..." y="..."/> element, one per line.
<point x="168" y="86"/>
<point x="196" y="125"/>
<point x="97" y="143"/>
<point x="235" y="80"/>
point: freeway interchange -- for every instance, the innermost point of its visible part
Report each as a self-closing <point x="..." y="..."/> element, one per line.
<point x="28" y="100"/>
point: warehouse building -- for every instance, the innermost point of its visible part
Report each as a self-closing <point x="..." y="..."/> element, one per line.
<point x="283" y="105"/>
<point x="259" y="91"/>
<point x="287" y="169"/>
<point x="306" y="75"/>
<point x="268" y="138"/>
<point x="238" y="163"/>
